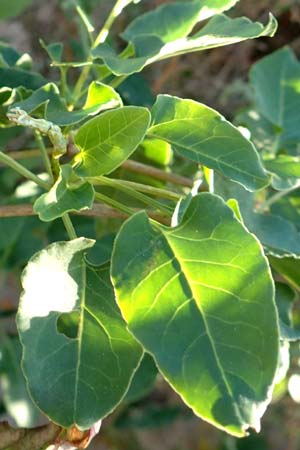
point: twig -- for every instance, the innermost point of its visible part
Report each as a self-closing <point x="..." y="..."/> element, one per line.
<point x="151" y="171"/>
<point x="99" y="210"/>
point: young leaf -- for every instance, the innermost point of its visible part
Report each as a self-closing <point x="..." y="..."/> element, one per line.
<point x="175" y="20"/>
<point x="219" y="31"/>
<point x="63" y="197"/>
<point x="105" y="142"/>
<point x="78" y="357"/>
<point x="201" y="134"/>
<point x="275" y="80"/>
<point x="200" y="299"/>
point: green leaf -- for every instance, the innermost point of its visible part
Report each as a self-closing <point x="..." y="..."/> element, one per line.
<point x="77" y="353"/>
<point x="200" y="299"/>
<point x="14" y="77"/>
<point x="100" y="97"/>
<point x="285" y="298"/>
<point x="201" y="134"/>
<point x="13" y="385"/>
<point x="219" y="31"/>
<point x="12" y="8"/>
<point x="105" y="142"/>
<point x="158" y="151"/>
<point x="279" y="236"/>
<point x="288" y="268"/>
<point x="285" y="170"/>
<point x="143" y="380"/>
<point x="175" y="20"/>
<point x="66" y="195"/>
<point x="275" y="80"/>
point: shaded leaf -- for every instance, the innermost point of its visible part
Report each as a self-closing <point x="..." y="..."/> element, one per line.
<point x="288" y="268"/>
<point x="285" y="298"/>
<point x="285" y="170"/>
<point x="275" y="80"/>
<point x="201" y="134"/>
<point x="65" y="196"/>
<point x="207" y="282"/>
<point x="13" y="386"/>
<point x="105" y="142"/>
<point x="88" y="375"/>
<point x="143" y="380"/>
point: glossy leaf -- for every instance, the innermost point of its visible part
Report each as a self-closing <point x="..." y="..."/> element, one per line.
<point x="105" y="142"/>
<point x="64" y="197"/>
<point x="219" y="31"/>
<point x="285" y="298"/>
<point x="175" y="20"/>
<point x="200" y="298"/>
<point x="201" y="134"/>
<point x="275" y="80"/>
<point x="78" y="357"/>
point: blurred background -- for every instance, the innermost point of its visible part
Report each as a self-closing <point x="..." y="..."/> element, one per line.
<point x="153" y="417"/>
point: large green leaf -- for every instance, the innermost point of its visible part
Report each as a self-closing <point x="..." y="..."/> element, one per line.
<point x="78" y="357"/>
<point x="175" y="20"/>
<point x="200" y="298"/>
<point x="105" y="142"/>
<point x="64" y="197"/>
<point x="203" y="135"/>
<point x="275" y="80"/>
<point x="219" y="31"/>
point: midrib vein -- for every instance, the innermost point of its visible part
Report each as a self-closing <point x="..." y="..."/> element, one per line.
<point x="79" y="339"/>
<point x="218" y="362"/>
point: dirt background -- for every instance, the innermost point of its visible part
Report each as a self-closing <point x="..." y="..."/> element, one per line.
<point x="217" y="78"/>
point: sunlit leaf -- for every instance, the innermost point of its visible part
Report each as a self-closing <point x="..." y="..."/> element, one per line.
<point x="200" y="133"/>
<point x="200" y="298"/>
<point x="105" y="142"/>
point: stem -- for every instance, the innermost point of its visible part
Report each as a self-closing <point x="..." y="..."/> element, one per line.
<point x="43" y="150"/>
<point x="163" y="193"/>
<point x="69" y="227"/>
<point x="137" y="195"/>
<point x="159" y="174"/>
<point x="7" y="160"/>
<point x="115" y="12"/>
<point x="274" y="198"/>
<point x="86" y="22"/>
<point x="111" y="202"/>
<point x="98" y="210"/>
<point x="132" y="166"/>
<point x="118" y="80"/>
<point x="80" y="83"/>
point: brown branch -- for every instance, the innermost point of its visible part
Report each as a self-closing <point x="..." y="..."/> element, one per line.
<point x="27" y="439"/>
<point x="132" y="166"/>
<point x="151" y="171"/>
<point x="98" y="210"/>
